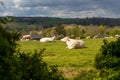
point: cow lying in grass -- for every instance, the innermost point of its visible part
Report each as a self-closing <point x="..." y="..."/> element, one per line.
<point x="73" y="43"/>
<point x="47" y="39"/>
<point x="26" y="38"/>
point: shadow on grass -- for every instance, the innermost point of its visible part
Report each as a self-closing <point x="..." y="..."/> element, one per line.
<point x="86" y="75"/>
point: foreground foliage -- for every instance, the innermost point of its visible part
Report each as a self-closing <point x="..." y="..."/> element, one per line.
<point x="107" y="62"/>
<point x="16" y="65"/>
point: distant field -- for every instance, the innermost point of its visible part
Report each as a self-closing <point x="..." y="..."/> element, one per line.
<point x="70" y="62"/>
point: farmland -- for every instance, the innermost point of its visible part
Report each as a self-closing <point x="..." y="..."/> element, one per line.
<point x="69" y="62"/>
<point x="74" y="64"/>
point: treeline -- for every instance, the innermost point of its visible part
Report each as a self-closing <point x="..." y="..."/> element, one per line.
<point x="51" y="21"/>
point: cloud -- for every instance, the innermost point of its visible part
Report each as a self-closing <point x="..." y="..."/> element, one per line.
<point x="62" y="8"/>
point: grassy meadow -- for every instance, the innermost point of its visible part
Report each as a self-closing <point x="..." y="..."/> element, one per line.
<point x="70" y="62"/>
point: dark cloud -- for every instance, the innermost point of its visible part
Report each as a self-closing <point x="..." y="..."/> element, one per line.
<point x="62" y="8"/>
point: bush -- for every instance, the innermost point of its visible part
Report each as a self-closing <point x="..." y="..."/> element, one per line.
<point x="7" y="39"/>
<point x="31" y="67"/>
<point x="60" y="29"/>
<point x="16" y="65"/>
<point x="86" y="75"/>
<point x="108" y="60"/>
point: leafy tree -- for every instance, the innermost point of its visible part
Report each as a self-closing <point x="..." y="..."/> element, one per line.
<point x="115" y="30"/>
<point x="8" y="44"/>
<point x="7" y="38"/>
<point x="16" y="65"/>
<point x="107" y="62"/>
<point x="68" y="31"/>
<point x="102" y="29"/>
<point x="60" y="29"/>
<point x="75" y="32"/>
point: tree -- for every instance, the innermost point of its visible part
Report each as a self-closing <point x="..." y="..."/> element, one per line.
<point x="107" y="62"/>
<point x="102" y="29"/>
<point x="17" y="65"/>
<point x="75" y="32"/>
<point x="8" y="38"/>
<point x="60" y="29"/>
<point x="8" y="44"/>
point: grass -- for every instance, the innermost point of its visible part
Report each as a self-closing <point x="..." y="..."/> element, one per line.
<point x="70" y="62"/>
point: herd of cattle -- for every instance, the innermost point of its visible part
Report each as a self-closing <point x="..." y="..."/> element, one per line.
<point x="71" y="43"/>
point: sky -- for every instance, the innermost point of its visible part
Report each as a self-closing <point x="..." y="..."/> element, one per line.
<point x="61" y="8"/>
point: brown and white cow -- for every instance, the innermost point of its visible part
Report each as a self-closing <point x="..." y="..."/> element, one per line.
<point x="26" y="38"/>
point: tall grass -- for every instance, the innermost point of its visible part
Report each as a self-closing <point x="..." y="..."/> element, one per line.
<point x="70" y="62"/>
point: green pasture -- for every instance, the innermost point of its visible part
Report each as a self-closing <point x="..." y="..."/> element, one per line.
<point x="70" y="62"/>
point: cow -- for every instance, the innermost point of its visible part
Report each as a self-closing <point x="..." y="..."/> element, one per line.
<point x="26" y="38"/>
<point x="73" y="43"/>
<point x="47" y="39"/>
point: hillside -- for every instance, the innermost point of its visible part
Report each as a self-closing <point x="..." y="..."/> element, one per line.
<point x="51" y="21"/>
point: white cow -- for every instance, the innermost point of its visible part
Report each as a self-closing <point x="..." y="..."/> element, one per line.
<point x="65" y="39"/>
<point x="88" y="37"/>
<point x="73" y="43"/>
<point x="47" y="39"/>
<point x="26" y="38"/>
<point x="117" y="35"/>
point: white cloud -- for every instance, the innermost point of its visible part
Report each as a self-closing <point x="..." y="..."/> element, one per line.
<point x="62" y="8"/>
<point x="7" y="13"/>
<point x="17" y="1"/>
<point x="91" y="13"/>
<point x="45" y="7"/>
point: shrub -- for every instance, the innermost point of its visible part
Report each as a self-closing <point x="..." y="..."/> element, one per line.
<point x="86" y="75"/>
<point x="27" y="66"/>
<point x="16" y="65"/>
<point x="108" y="60"/>
<point x="60" y="29"/>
